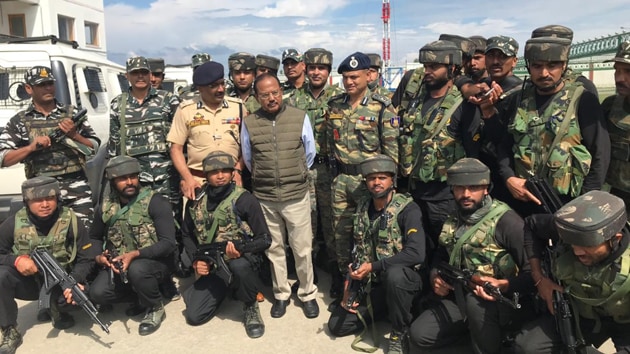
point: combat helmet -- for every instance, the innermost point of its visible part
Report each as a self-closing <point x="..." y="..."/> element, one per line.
<point x="623" y="53"/>
<point x="40" y="187"/>
<point x="241" y="61"/>
<point x="267" y="61"/>
<point x="318" y="56"/>
<point x="590" y="219"/>
<point x="378" y="164"/>
<point x="218" y="160"/>
<point x="121" y="166"/>
<point x="442" y="52"/>
<point x="553" y="31"/>
<point x="466" y="45"/>
<point x="468" y="172"/>
<point x="200" y="58"/>
<point x="547" y="49"/>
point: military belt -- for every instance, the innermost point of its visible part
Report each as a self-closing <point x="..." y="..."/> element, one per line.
<point x="321" y="159"/>
<point x="353" y="169"/>
<point x="197" y="173"/>
<point x="620" y="151"/>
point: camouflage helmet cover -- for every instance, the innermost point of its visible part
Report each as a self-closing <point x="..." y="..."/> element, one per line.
<point x="121" y="166"/>
<point x="547" y="49"/>
<point x="378" y="164"/>
<point x="318" y="56"/>
<point x="553" y="31"/>
<point x="40" y="187"/>
<point x="218" y="160"/>
<point x="480" y="43"/>
<point x="442" y="52"/>
<point x="200" y="58"/>
<point x="241" y="61"/>
<point x="468" y="172"/>
<point x="623" y="53"/>
<point x="590" y="219"/>
<point x="464" y="44"/>
<point x="268" y="62"/>
<point x="375" y="60"/>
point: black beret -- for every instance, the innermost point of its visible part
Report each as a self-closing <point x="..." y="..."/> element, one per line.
<point x="207" y="73"/>
<point x="355" y="61"/>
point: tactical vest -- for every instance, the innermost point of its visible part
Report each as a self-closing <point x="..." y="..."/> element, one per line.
<point x="568" y="162"/>
<point x="59" y="159"/>
<point x="133" y="229"/>
<point x="229" y="226"/>
<point x="381" y="238"/>
<point x="26" y="239"/>
<point x="430" y="150"/>
<point x="596" y="291"/>
<point x="479" y="252"/>
<point x="412" y="88"/>
<point x="619" y="130"/>
<point x="145" y="128"/>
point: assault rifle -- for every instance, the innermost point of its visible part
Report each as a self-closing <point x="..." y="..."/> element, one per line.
<point x="212" y="253"/>
<point x="466" y="278"/>
<point x="110" y="255"/>
<point x="200" y="192"/>
<point x="542" y="190"/>
<point x="356" y="288"/>
<point x="78" y="119"/>
<point x="53" y="275"/>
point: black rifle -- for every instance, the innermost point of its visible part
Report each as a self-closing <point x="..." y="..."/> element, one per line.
<point x="541" y="189"/>
<point x="200" y="192"/>
<point x="356" y="288"/>
<point x="78" y="119"/>
<point x="212" y="253"/>
<point x="53" y="275"/>
<point x="110" y="255"/>
<point x="466" y="278"/>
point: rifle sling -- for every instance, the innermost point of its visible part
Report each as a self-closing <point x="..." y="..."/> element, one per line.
<point x="359" y="338"/>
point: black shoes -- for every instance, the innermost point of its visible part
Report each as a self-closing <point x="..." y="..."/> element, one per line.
<point x="254" y="325"/>
<point x="311" y="309"/>
<point x="152" y="320"/>
<point x="279" y="308"/>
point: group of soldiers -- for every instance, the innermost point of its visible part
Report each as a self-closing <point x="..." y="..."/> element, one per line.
<point x="453" y="173"/>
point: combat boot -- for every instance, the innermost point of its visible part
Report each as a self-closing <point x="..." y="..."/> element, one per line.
<point x="11" y="340"/>
<point x="254" y="325"/>
<point x="397" y="343"/>
<point x="152" y="320"/>
<point x="60" y="320"/>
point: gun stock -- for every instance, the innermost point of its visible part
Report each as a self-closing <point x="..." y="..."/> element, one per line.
<point x="542" y="190"/>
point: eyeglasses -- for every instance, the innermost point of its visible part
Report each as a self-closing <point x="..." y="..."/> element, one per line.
<point x="266" y="96"/>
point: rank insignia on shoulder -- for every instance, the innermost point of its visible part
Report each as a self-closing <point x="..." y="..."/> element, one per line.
<point x="395" y="121"/>
<point x="364" y="101"/>
<point x="382" y="99"/>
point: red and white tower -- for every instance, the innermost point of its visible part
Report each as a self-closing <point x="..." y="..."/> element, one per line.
<point x="386" y="34"/>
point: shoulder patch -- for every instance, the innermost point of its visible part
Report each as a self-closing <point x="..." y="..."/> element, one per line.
<point x="383" y="99"/>
<point x="336" y="97"/>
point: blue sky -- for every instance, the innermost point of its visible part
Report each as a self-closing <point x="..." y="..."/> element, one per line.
<point x="176" y="29"/>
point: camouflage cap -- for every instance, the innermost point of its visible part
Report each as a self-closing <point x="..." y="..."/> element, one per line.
<point x="623" y="53"/>
<point x="590" y="219"/>
<point x="553" y="31"/>
<point x="464" y="44"/>
<point x="378" y="164"/>
<point x="38" y="75"/>
<point x="121" y="166"/>
<point x="318" y="56"/>
<point x="442" y="52"/>
<point x="241" y="61"/>
<point x="218" y="160"/>
<point x="468" y="172"/>
<point x="156" y="65"/>
<point x="480" y="43"/>
<point x="507" y="45"/>
<point x="200" y="58"/>
<point x="137" y="63"/>
<point x="40" y="187"/>
<point x="267" y="61"/>
<point x="292" y="54"/>
<point x="547" y="49"/>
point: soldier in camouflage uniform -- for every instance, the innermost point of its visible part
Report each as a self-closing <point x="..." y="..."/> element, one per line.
<point x="359" y="125"/>
<point x="136" y="223"/>
<point x="485" y="237"/>
<point x="313" y="98"/>
<point x="267" y="64"/>
<point x="591" y="261"/>
<point x="294" y="70"/>
<point x="617" y="112"/>
<point x="558" y="131"/>
<point x="242" y="72"/>
<point x="226" y="213"/>
<point x="26" y="138"/>
<point x="376" y="66"/>
<point x="156" y="65"/>
<point x="190" y="91"/>
<point x="41" y="223"/>
<point x="432" y="141"/>
<point x="389" y="248"/>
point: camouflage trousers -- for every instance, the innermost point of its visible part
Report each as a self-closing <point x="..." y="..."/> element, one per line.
<point x="76" y="194"/>
<point x="158" y="173"/>
<point x="347" y="192"/>
<point x="322" y="188"/>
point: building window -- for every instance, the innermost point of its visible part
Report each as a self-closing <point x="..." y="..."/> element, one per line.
<point x="66" y="28"/>
<point x="91" y="34"/>
<point x="17" y="25"/>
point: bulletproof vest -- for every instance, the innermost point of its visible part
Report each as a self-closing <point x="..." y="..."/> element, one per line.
<point x="568" y="161"/>
<point x="412" y="88"/>
<point x="223" y="224"/>
<point x="596" y="291"/>
<point x="303" y="99"/>
<point x="619" y="130"/>
<point x="381" y="238"/>
<point x="570" y="76"/>
<point x="429" y="150"/>
<point x="57" y="160"/>
<point x="133" y="229"/>
<point x="480" y="253"/>
<point x="145" y="128"/>
<point x="26" y="239"/>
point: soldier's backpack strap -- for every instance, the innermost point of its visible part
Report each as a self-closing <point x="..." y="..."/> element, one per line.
<point x="385" y="102"/>
<point x="564" y="128"/>
<point x="122" y="109"/>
